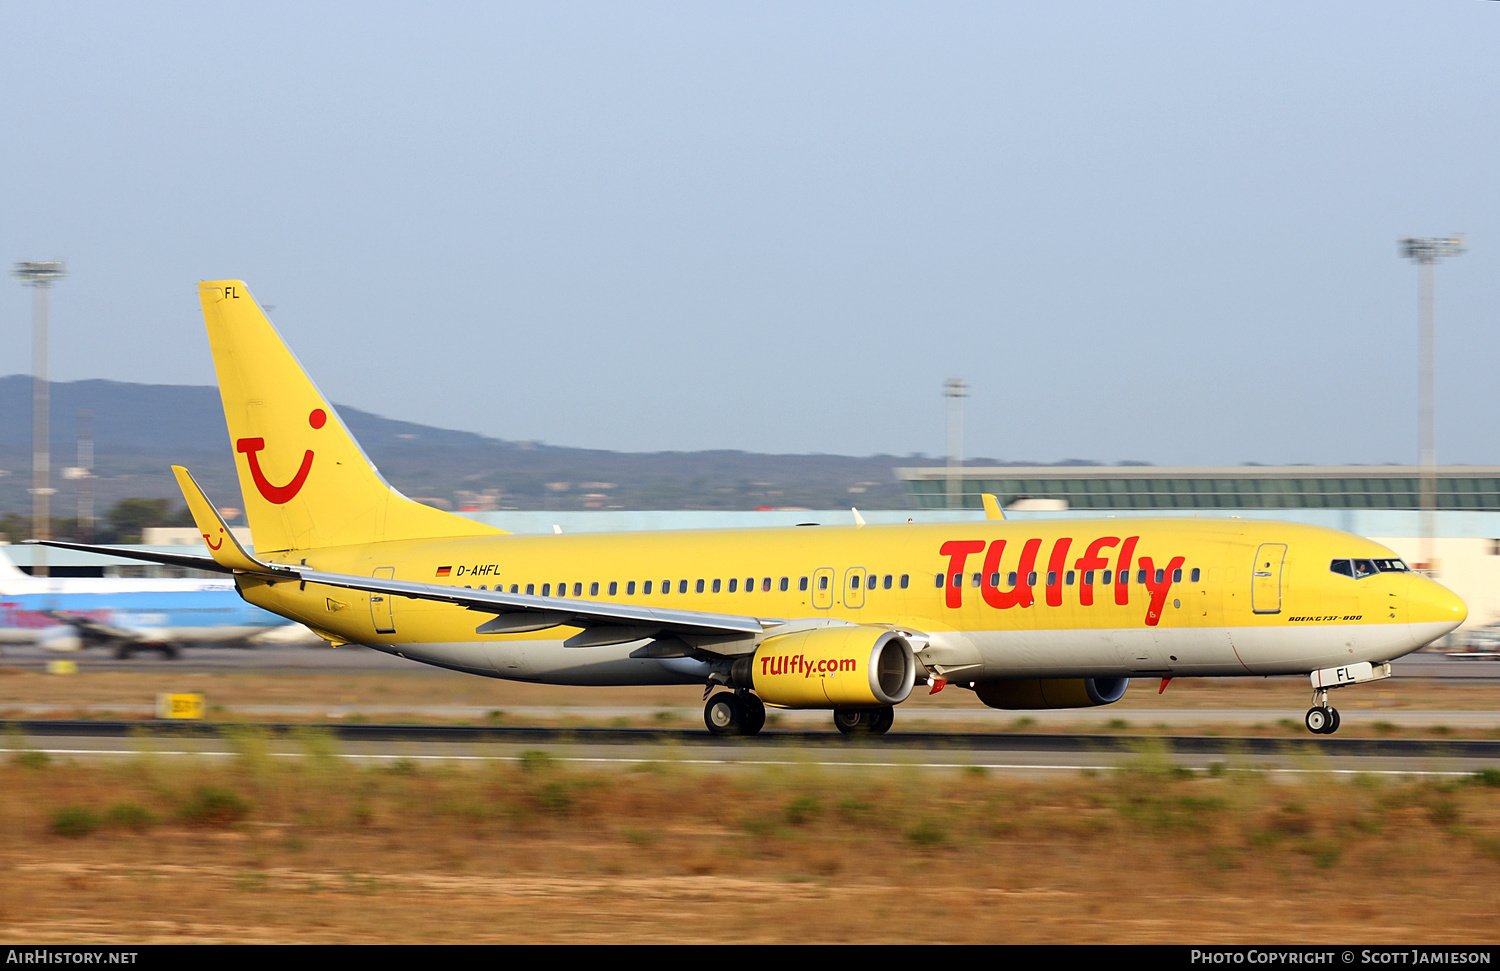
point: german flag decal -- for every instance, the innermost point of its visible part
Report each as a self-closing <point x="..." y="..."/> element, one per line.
<point x="444" y="570"/>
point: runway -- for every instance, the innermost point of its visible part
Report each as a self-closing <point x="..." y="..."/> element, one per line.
<point x="1023" y="754"/>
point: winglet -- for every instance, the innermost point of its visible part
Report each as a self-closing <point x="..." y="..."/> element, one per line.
<point x="992" y="508"/>
<point x="858" y="519"/>
<point x="226" y="550"/>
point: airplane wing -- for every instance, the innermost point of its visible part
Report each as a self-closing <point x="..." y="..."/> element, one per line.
<point x="511" y="613"/>
<point x="603" y="623"/>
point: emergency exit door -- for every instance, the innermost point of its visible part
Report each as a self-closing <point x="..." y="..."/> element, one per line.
<point x="380" y="604"/>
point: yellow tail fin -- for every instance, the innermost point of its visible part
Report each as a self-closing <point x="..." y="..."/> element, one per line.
<point x="305" y="481"/>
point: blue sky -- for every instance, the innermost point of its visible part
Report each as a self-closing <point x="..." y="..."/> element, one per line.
<point x="1158" y="232"/>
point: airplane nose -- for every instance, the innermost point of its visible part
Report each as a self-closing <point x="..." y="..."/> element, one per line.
<point x="1433" y="604"/>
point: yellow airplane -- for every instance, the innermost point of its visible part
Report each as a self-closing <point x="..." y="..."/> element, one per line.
<point x="1028" y="615"/>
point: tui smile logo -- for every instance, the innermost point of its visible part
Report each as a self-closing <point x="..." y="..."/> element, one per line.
<point x="279" y="494"/>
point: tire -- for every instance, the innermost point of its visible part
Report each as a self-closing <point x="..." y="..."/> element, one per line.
<point x="1317" y="720"/>
<point x="755" y="714"/>
<point x="881" y="720"/>
<point x="724" y="715"/>
<point x="854" y="721"/>
<point x="1333" y="724"/>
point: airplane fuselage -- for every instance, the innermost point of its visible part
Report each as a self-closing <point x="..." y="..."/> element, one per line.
<point x="1060" y="599"/>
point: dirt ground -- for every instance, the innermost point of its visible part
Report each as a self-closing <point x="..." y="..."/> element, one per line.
<point x="318" y="850"/>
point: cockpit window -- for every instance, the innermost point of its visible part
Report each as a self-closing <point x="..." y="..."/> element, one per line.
<point x="1359" y="569"/>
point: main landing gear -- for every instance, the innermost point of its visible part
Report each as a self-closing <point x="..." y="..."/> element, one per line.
<point x="734" y="713"/>
<point x="864" y="721"/>
<point x="1322" y="719"/>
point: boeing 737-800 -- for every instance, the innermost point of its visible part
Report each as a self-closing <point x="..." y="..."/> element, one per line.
<point x="1025" y="614"/>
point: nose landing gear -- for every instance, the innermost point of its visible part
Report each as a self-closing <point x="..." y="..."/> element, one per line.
<point x="1321" y="718"/>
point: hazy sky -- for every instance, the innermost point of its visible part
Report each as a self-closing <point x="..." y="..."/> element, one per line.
<point x="1162" y="232"/>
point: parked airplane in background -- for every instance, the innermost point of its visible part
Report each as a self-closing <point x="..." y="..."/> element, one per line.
<point x="128" y="615"/>
<point x="1026" y="614"/>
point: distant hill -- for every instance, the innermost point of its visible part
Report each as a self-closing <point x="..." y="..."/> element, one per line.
<point x="140" y="430"/>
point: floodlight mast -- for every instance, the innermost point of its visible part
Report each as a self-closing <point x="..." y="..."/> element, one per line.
<point x="1426" y="252"/>
<point x="955" y="390"/>
<point x="40" y="276"/>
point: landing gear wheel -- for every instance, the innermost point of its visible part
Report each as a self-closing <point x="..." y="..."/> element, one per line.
<point x="864" y="721"/>
<point x="755" y="714"/>
<point x="1333" y="725"/>
<point x="1320" y="720"/>
<point x="724" y="714"/>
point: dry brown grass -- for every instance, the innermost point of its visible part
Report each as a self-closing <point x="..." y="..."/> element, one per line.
<point x="322" y="850"/>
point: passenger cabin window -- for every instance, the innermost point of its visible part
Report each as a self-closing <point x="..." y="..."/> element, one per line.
<point x="716" y="586"/>
<point x="546" y="589"/>
<point x="646" y="587"/>
<point x="614" y="587"/>
<point x="1195" y="574"/>
<point x="682" y="587"/>
<point x="765" y="585"/>
<point x="1177" y="576"/>
<point x="594" y="589"/>
<point x="530" y="588"/>
<point x="887" y="582"/>
<point x="630" y="589"/>
<point x="875" y="579"/>
<point x="734" y="584"/>
<point x="785" y="584"/>
<point x="698" y="588"/>
<point x="802" y="584"/>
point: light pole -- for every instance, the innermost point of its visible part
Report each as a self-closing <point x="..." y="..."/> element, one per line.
<point x="39" y="276"/>
<point x="1425" y="253"/>
<point x="955" y="391"/>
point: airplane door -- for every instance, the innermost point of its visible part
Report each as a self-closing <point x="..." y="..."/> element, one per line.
<point x="854" y="587"/>
<point x="823" y="588"/>
<point x="380" y="604"/>
<point x="1265" y="578"/>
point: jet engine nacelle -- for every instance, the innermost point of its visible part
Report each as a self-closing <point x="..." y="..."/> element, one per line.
<point x="830" y="667"/>
<point x="1024" y="693"/>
